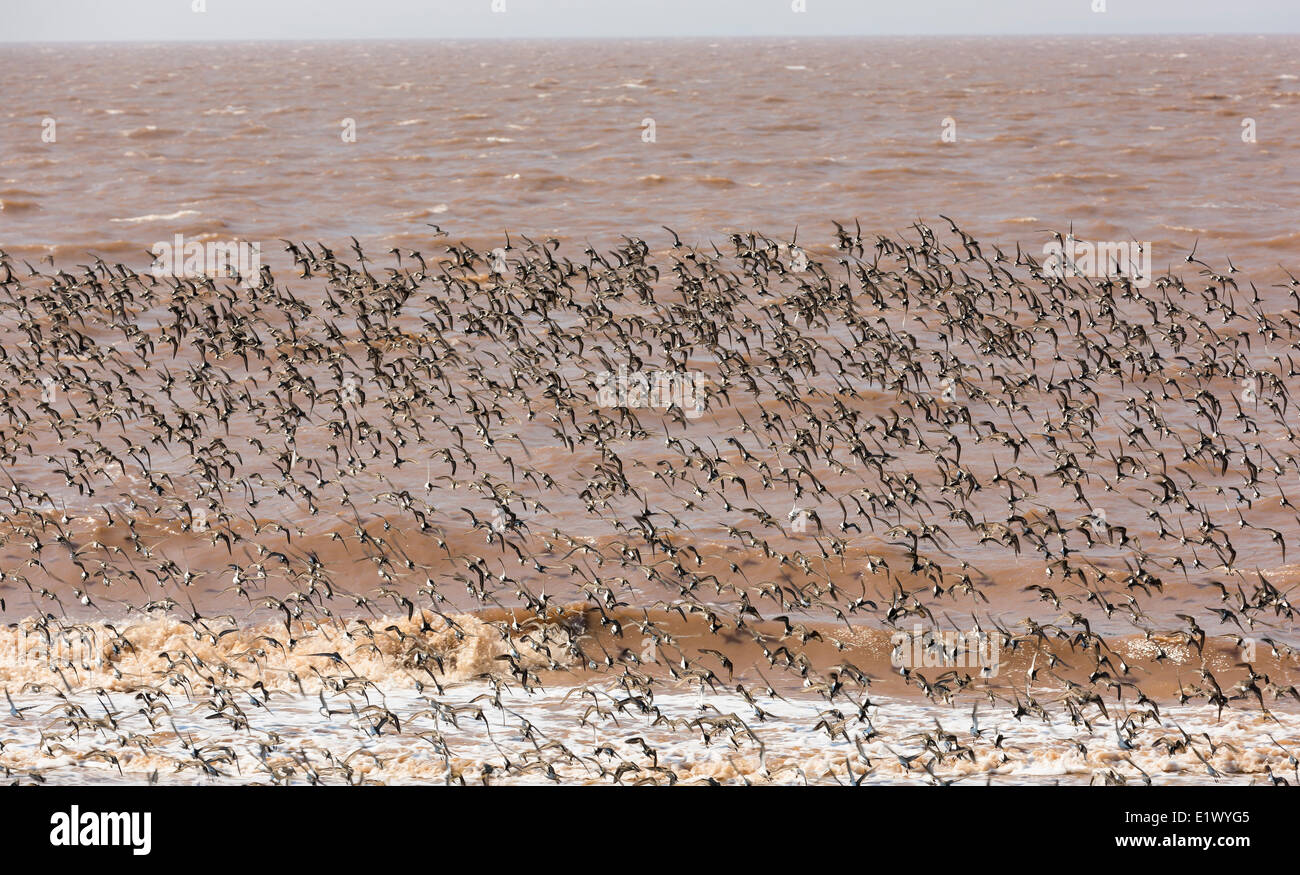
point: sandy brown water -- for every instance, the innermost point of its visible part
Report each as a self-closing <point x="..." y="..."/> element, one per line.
<point x="1126" y="137"/>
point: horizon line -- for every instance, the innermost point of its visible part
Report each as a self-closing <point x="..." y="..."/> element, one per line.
<point x="645" y="38"/>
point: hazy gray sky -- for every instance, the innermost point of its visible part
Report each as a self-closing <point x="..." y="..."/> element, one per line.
<point x="26" y="20"/>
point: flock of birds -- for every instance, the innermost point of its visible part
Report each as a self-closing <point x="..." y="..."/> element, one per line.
<point x="396" y="504"/>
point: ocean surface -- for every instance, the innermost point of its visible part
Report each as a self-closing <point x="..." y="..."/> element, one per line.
<point x="389" y="505"/>
<point x="1126" y="138"/>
